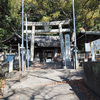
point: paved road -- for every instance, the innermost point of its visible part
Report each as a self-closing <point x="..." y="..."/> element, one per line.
<point x="50" y="84"/>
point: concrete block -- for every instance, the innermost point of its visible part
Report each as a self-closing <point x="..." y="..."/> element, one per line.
<point x="92" y="75"/>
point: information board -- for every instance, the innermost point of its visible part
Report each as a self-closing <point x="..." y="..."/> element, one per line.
<point x="9" y="57"/>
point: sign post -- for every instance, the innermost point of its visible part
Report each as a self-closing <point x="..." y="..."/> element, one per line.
<point x="10" y="58"/>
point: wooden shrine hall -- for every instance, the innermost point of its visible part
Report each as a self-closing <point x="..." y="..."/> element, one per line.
<point x="86" y="37"/>
<point x="45" y="46"/>
<point x="12" y="42"/>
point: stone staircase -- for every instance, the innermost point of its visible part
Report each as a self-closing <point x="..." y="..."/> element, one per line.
<point x="50" y="65"/>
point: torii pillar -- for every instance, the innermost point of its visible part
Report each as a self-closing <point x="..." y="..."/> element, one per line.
<point x="32" y="42"/>
<point x="61" y="42"/>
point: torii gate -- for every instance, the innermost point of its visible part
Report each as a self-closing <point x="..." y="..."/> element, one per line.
<point x="46" y="29"/>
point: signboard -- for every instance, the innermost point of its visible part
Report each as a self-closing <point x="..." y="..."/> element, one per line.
<point x="87" y="47"/>
<point x="97" y="44"/>
<point x="9" y="57"/>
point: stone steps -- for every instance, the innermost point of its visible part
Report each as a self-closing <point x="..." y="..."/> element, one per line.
<point x="51" y="65"/>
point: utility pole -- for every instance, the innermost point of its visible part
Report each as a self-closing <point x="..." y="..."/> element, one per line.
<point x="75" y="45"/>
<point x="22" y="32"/>
<point x="27" y="42"/>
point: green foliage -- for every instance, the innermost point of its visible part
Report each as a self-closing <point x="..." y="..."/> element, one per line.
<point x="45" y="19"/>
<point x="87" y="13"/>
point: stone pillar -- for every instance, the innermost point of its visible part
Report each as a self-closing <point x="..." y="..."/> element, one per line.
<point x="61" y="42"/>
<point x="32" y="42"/>
<point x="10" y="66"/>
<point x="67" y="48"/>
<point x="19" y="57"/>
<point x="10" y="49"/>
<point x="41" y="55"/>
<point x="67" y="52"/>
<point x="93" y="52"/>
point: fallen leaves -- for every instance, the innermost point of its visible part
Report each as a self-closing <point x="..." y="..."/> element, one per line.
<point x="82" y="88"/>
<point x="2" y="84"/>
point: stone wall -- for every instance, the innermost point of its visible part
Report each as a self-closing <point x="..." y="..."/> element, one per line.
<point x="92" y="75"/>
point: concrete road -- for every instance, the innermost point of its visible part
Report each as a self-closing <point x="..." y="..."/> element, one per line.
<point x="49" y="84"/>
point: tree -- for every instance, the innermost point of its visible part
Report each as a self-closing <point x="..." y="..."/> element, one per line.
<point x="4" y="19"/>
<point x="86" y="12"/>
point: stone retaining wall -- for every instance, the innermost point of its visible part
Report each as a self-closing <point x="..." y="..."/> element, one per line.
<point x="92" y="75"/>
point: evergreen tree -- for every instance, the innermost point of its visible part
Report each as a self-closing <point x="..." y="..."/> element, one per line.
<point x="87" y="13"/>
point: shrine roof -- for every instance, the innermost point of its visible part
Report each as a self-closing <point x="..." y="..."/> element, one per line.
<point x="40" y="41"/>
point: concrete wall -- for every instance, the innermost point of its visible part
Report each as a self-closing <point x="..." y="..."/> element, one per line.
<point x="92" y="75"/>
